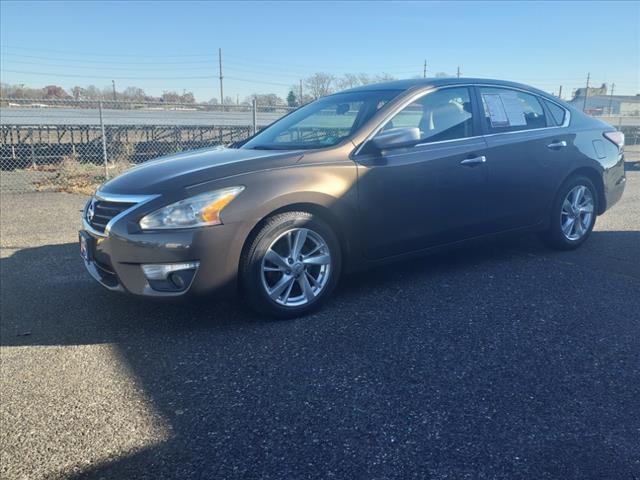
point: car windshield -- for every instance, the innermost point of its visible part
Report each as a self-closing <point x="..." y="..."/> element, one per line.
<point x="322" y="123"/>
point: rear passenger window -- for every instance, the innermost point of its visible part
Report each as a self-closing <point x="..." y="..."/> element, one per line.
<point x="557" y="112"/>
<point x="508" y="110"/>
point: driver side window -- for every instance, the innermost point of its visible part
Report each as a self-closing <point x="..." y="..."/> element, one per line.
<point x="445" y="114"/>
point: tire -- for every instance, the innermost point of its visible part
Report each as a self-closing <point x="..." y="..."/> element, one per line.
<point x="557" y="237"/>
<point x="268" y="265"/>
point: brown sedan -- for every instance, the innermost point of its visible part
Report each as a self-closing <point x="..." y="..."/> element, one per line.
<point x="354" y="179"/>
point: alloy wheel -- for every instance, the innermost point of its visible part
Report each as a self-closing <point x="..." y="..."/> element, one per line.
<point x="296" y="267"/>
<point x="577" y="212"/>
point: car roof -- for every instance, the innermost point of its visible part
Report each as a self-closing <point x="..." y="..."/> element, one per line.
<point x="438" y="82"/>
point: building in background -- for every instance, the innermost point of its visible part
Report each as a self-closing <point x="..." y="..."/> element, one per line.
<point x="599" y="103"/>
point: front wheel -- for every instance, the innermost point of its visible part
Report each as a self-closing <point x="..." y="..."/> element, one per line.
<point x="291" y="266"/>
<point x="573" y="214"/>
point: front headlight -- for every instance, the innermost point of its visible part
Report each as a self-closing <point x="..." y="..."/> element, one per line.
<point x="198" y="211"/>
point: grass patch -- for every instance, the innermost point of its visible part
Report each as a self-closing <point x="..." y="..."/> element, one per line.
<point x="72" y="176"/>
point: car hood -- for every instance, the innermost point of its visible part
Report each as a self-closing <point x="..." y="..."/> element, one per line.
<point x="198" y="166"/>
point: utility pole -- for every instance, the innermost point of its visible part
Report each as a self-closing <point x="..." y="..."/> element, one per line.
<point x="113" y="84"/>
<point x="220" y="62"/>
<point x="613" y="85"/>
<point x="300" y="101"/>
<point x="424" y="70"/>
<point x="560" y="93"/>
<point x="458" y="74"/>
<point x="586" y="92"/>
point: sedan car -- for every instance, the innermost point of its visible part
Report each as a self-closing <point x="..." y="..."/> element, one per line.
<point x="354" y="179"/>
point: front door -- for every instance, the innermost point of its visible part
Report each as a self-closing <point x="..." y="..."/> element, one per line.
<point x="430" y="192"/>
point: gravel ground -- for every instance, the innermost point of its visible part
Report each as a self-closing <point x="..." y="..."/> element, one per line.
<point x="501" y="361"/>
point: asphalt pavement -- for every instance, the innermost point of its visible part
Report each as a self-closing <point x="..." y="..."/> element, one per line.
<point x="504" y="360"/>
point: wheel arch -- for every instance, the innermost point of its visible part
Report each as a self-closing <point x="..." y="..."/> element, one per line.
<point x="317" y="209"/>
<point x="596" y="178"/>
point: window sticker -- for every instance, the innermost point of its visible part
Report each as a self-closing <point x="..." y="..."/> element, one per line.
<point x="514" y="109"/>
<point x="505" y="109"/>
<point x="496" y="110"/>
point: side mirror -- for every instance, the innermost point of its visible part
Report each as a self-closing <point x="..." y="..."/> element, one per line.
<point x="396" y="137"/>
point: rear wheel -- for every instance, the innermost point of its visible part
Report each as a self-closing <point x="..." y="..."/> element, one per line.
<point x="292" y="265"/>
<point x="573" y="214"/>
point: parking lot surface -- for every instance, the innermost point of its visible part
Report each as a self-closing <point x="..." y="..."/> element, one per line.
<point x="504" y="360"/>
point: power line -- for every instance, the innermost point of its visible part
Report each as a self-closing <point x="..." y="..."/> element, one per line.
<point x="153" y="67"/>
<point x="102" y="77"/>
<point x="108" y="77"/>
<point x="350" y="67"/>
<point x="94" y="54"/>
<point x="259" y="81"/>
<point x="37" y="57"/>
<point x="275" y="65"/>
<point x="276" y="73"/>
<point x="209" y="67"/>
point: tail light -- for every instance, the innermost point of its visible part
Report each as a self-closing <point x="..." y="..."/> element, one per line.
<point x="615" y="137"/>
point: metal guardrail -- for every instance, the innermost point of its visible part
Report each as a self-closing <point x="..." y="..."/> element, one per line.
<point x="46" y="144"/>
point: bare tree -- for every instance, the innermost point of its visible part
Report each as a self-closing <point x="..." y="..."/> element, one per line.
<point x="187" y="97"/>
<point x="384" y="77"/>
<point x="319" y="84"/>
<point x="266" y="99"/>
<point x="20" y="91"/>
<point x="54" y="92"/>
<point x="78" y="93"/>
<point x="364" y="79"/>
<point x="135" y="94"/>
<point x="92" y="93"/>
<point x="348" y="80"/>
<point x="174" y="97"/>
<point x="301" y="99"/>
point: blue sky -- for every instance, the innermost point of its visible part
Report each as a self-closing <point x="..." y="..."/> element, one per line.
<point x="268" y="46"/>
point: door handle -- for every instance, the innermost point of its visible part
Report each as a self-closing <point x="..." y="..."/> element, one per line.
<point x="474" y="161"/>
<point x="557" y="144"/>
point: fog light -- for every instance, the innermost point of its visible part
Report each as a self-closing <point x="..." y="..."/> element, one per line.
<point x="160" y="272"/>
<point x="177" y="280"/>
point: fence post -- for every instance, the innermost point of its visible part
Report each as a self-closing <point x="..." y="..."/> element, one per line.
<point x="254" y="117"/>
<point x="33" y="149"/>
<point x="104" y="143"/>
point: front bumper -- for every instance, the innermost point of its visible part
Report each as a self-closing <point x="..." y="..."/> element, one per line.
<point x="115" y="259"/>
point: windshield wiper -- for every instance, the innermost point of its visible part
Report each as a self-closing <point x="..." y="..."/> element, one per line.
<point x="286" y="147"/>
<point x="266" y="147"/>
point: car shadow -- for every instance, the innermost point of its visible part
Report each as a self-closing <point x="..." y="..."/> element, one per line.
<point x="495" y="360"/>
<point x="632" y="166"/>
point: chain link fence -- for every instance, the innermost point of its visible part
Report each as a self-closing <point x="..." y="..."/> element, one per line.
<point x="74" y="145"/>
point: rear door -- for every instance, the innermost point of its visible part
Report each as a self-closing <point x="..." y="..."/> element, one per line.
<point x="526" y="153"/>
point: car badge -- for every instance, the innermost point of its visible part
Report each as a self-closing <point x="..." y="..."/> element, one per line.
<point x="91" y="210"/>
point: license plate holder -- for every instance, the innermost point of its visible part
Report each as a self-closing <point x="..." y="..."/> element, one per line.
<point x="86" y="246"/>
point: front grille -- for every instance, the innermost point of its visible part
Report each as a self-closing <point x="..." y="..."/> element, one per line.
<point x="104" y="211"/>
